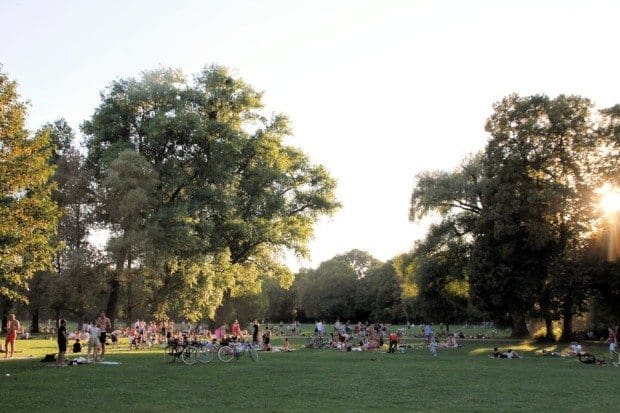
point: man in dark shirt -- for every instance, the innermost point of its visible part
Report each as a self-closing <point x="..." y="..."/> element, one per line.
<point x="62" y="342"/>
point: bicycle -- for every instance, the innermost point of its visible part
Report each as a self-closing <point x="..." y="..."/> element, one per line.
<point x="236" y="350"/>
<point x="176" y="350"/>
<point x="205" y="351"/>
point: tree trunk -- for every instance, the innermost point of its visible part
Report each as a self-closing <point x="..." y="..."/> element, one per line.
<point x="567" y="323"/>
<point x="34" y="328"/>
<point x="57" y="323"/>
<point x="6" y="309"/>
<point x="115" y="289"/>
<point x="550" y="335"/>
<point x="223" y="311"/>
<point x="519" y="326"/>
<point x="112" y="307"/>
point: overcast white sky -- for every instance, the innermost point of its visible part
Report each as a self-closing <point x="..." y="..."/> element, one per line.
<point x="377" y="91"/>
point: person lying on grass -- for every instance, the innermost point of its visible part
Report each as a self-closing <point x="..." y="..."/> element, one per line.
<point x="510" y="354"/>
<point x="450" y="342"/>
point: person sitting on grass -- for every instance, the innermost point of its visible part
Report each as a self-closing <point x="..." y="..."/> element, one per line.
<point x="343" y="339"/>
<point x="77" y="346"/>
<point x="267" y="340"/>
<point x="226" y="339"/>
<point x="575" y="349"/>
<point x="287" y="346"/>
<point x="372" y="344"/>
<point x="450" y="342"/>
<point x="498" y="354"/>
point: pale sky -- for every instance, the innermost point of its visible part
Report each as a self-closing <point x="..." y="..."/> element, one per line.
<point x="377" y="91"/>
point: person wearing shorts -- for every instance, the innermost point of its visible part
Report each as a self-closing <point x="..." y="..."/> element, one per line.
<point x="13" y="327"/>
<point x="104" y="325"/>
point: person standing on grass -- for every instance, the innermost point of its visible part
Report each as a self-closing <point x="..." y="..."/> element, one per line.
<point x="255" y="332"/>
<point x="62" y="342"/>
<point x="612" y="339"/>
<point x="393" y="342"/>
<point x="104" y="324"/>
<point x="428" y="333"/>
<point x="94" y="343"/>
<point x="13" y="327"/>
<point x="236" y="329"/>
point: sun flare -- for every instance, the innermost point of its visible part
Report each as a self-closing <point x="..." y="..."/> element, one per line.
<point x="610" y="199"/>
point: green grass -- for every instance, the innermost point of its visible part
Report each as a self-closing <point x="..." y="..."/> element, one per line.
<point x="329" y="380"/>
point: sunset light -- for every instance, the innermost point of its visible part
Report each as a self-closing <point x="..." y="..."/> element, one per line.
<point x="610" y="199"/>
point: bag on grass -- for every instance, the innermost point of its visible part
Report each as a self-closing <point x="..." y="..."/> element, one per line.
<point x="49" y="358"/>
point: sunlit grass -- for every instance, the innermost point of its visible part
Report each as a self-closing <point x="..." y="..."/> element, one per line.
<point x="462" y="379"/>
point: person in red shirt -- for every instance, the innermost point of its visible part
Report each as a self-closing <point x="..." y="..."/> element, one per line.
<point x="393" y="342"/>
<point x="236" y="329"/>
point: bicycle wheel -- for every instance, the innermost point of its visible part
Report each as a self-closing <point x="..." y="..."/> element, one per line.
<point x="189" y="355"/>
<point x="205" y="355"/>
<point x="225" y="354"/>
<point x="587" y="358"/>
<point x="253" y="353"/>
<point x="169" y="353"/>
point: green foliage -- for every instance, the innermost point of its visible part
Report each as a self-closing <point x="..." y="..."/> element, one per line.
<point x="29" y="216"/>
<point x="226" y="183"/>
<point x="522" y="212"/>
<point x="328" y="293"/>
<point x="378" y="295"/>
<point x="350" y="286"/>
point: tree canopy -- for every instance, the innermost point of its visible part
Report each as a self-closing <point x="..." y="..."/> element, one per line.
<point x="29" y="215"/>
<point x="226" y="189"/>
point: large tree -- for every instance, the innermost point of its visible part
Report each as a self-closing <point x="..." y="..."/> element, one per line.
<point x="29" y="215"/>
<point x="435" y="272"/>
<point x="526" y="207"/>
<point x="538" y="207"/>
<point x="74" y="284"/>
<point x="230" y="194"/>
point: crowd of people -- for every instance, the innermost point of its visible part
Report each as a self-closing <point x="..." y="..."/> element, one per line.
<point x="344" y="336"/>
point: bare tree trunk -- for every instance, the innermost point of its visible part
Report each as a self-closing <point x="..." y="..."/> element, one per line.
<point x="567" y="323"/>
<point x="519" y="326"/>
<point x="550" y="335"/>
<point x="115" y="287"/>
<point x="112" y="307"/>
<point x="223" y="312"/>
<point x="34" y="328"/>
<point x="6" y="309"/>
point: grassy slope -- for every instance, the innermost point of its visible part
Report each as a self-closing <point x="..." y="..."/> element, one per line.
<point x="461" y="380"/>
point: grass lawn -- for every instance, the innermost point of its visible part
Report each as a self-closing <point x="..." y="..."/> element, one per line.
<point x="456" y="380"/>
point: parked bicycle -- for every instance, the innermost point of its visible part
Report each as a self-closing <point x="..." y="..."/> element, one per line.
<point x="236" y="350"/>
<point x="177" y="350"/>
<point x="205" y="351"/>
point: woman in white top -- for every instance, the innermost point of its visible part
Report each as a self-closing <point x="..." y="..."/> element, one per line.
<point x="94" y="345"/>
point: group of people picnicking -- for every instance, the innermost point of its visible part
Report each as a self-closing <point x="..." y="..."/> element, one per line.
<point x="344" y="336"/>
